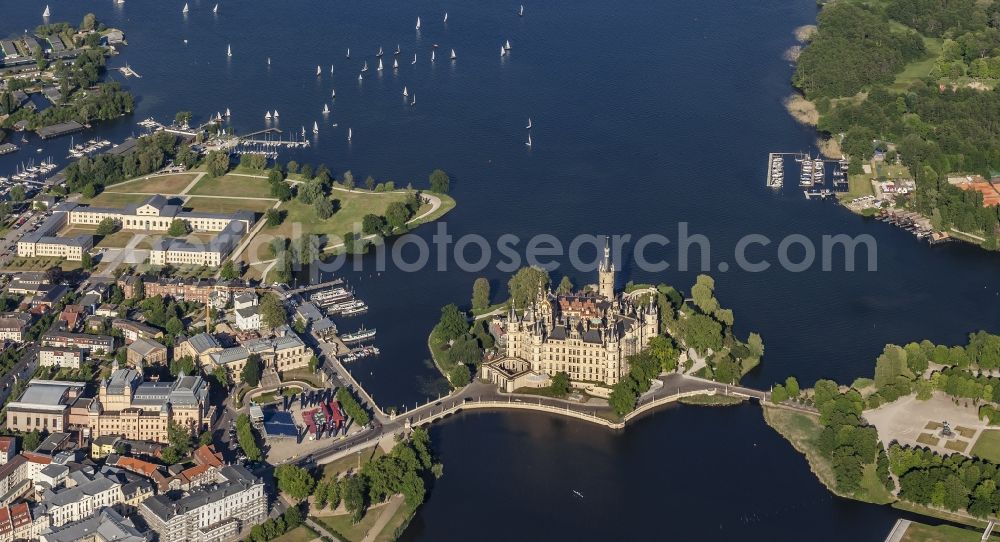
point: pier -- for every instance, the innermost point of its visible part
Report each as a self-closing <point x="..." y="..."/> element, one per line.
<point x="312" y="287"/>
<point x="127" y="71"/>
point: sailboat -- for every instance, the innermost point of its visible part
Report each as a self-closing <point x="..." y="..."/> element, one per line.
<point x="380" y="64"/>
<point x="229" y="50"/>
<point x="528" y="142"/>
<point x="414" y="102"/>
<point x="326" y="109"/>
<point x="315" y="127"/>
<point x="520" y="12"/>
<point x="359" y="77"/>
<point x="319" y="71"/>
<point x="333" y="93"/>
<point x="267" y="115"/>
<point x="331" y="69"/>
<point x="446" y="17"/>
<point x="506" y="45"/>
<point x="46" y="13"/>
<point x="395" y="64"/>
<point x="397" y="50"/>
<point x="418" y="23"/>
<point x="379" y="53"/>
<point x="185" y="10"/>
<point x="405" y="92"/>
<point x="275" y="113"/>
<point x="348" y="134"/>
<point x="432" y="56"/>
<point x="215" y="9"/>
<point x="502" y="51"/>
<point x="228" y="114"/>
<point x="303" y="132"/>
<point x="365" y="67"/>
<point x="453" y="57"/>
<point x="414" y="59"/>
<point x="529" y="123"/>
<point x="268" y="61"/>
<point x="348" y="52"/>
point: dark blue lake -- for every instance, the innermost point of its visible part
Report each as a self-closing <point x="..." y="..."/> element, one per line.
<point x="646" y="115"/>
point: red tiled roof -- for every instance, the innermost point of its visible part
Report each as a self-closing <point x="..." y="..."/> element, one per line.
<point x="6" y="443"/>
<point x="20" y="515"/>
<point x="206" y="455"/>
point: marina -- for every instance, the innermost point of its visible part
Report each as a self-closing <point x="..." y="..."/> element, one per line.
<point x="819" y="178"/>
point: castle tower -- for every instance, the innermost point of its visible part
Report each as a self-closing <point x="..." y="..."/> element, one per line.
<point x="606" y="274"/>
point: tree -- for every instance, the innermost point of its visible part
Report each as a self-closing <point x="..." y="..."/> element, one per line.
<point x="174" y="326"/>
<point x="17" y="193"/>
<point x="272" y="311"/>
<point x="480" y="294"/>
<point x="107" y="226"/>
<point x="87" y="261"/>
<point x="565" y="286"/>
<point x="182" y="118"/>
<point x="370" y="183"/>
<point x="779" y="394"/>
<point x="703" y="293"/>
<point x="292" y="167"/>
<point x="179" y="438"/>
<point x="281" y="191"/>
<point x="324" y="208"/>
<point x="560" y="384"/>
<point x="217" y="163"/>
<point x="622" y="398"/>
<point x="348" y="180"/>
<point x="453" y="323"/>
<point x="229" y="271"/>
<point x="792" y="386"/>
<point x="31" y="440"/>
<point x="459" y="375"/>
<point x="294" y="481"/>
<point x="251" y="371"/>
<point x="89" y="22"/>
<point x="525" y="285"/>
<point x="179" y="228"/>
<point x="354" y="497"/>
<point x="440" y="182"/>
<point x="396" y="214"/>
<point x="371" y="224"/>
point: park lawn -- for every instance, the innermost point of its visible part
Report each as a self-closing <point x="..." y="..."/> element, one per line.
<point x="987" y="446"/>
<point x="110" y="199"/>
<point x="344" y="464"/>
<point x="447" y="204"/>
<point x="939" y="514"/>
<point x="303" y="375"/>
<point x="118" y="239"/>
<point x="228" y="205"/>
<point x="543" y="392"/>
<point x="919" y="69"/>
<point x="857" y="186"/>
<point x="302" y="533"/>
<point x="918" y="532"/>
<point x="341" y="525"/>
<point x="232" y="186"/>
<point x="353" y="207"/>
<point x="400" y="518"/>
<point x="158" y="184"/>
<point x="802" y="431"/>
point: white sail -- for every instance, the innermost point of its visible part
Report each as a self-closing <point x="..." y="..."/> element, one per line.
<point x="331" y="69"/>
<point x="315" y="127"/>
<point x="453" y="57"/>
<point x="275" y="113"/>
<point x="319" y="71"/>
<point x="215" y="9"/>
<point x="333" y="93"/>
<point x="46" y="13"/>
<point x="414" y="102"/>
<point x="521" y="11"/>
<point x="268" y="61"/>
<point x="414" y="58"/>
<point x="379" y="53"/>
<point x="359" y="77"/>
<point x="502" y="51"/>
<point x="405" y="92"/>
<point x="418" y="23"/>
<point x="349" y="134"/>
<point x="506" y="45"/>
<point x="229" y="50"/>
<point x="432" y="56"/>
<point x="397" y="49"/>
<point x="227" y="112"/>
<point x="395" y="64"/>
<point x="529" y="123"/>
<point x="185" y="10"/>
<point x="380" y="64"/>
<point x="348" y="52"/>
<point x="365" y="67"/>
<point x="446" y="16"/>
<point x="528" y="143"/>
<point x="267" y="116"/>
<point x="326" y="108"/>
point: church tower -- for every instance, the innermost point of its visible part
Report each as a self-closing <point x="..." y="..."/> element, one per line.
<point x="606" y="274"/>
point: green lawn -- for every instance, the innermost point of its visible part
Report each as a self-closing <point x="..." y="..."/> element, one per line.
<point x="344" y="464"/>
<point x="302" y="533"/>
<point x="939" y="514"/>
<point x="110" y="199"/>
<point x="342" y="526"/>
<point x="802" y="431"/>
<point x="233" y="186"/>
<point x="399" y="520"/>
<point x="353" y="207"/>
<point x="919" y="69"/>
<point x="228" y="205"/>
<point x="988" y="446"/>
<point x="918" y="532"/>
<point x="159" y="184"/>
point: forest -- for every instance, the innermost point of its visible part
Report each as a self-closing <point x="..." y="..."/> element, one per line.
<point x="940" y="125"/>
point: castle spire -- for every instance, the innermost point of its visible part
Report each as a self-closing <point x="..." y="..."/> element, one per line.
<point x="606" y="273"/>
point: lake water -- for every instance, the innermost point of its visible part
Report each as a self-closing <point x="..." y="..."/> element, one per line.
<point x="645" y="115"/>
